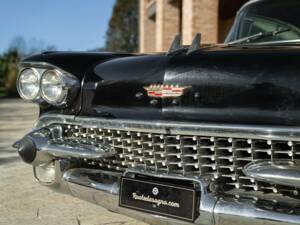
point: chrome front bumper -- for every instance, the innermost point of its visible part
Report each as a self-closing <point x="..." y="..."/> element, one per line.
<point x="69" y="178"/>
<point x="104" y="191"/>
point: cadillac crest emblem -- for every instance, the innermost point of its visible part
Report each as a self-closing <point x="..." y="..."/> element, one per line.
<point x="165" y="91"/>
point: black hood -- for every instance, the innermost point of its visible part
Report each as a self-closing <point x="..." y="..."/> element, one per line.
<point x="224" y="85"/>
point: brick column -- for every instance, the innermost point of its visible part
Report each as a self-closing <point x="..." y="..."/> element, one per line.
<point x="200" y="16"/>
<point x="167" y="23"/>
<point x="141" y="26"/>
<point x="146" y="29"/>
<point x="187" y="21"/>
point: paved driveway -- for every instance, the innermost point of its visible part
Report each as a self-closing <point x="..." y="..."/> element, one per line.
<point x="22" y="200"/>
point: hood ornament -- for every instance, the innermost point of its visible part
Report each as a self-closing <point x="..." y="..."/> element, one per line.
<point x="165" y="91"/>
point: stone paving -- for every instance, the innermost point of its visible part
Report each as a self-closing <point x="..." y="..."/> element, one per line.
<point x="22" y="200"/>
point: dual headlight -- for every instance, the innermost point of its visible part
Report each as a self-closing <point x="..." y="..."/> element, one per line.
<point x="53" y="86"/>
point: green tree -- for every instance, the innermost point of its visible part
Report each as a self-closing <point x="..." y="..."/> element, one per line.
<point x="122" y="33"/>
<point x="10" y="71"/>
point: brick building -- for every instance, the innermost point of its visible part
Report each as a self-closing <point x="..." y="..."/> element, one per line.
<point x="161" y="20"/>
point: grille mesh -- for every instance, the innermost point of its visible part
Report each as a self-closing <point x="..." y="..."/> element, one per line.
<point x="219" y="159"/>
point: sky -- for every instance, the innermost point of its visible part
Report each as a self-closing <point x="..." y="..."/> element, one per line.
<point x="76" y="25"/>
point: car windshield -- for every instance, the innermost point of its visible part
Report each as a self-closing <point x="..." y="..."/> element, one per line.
<point x="271" y="16"/>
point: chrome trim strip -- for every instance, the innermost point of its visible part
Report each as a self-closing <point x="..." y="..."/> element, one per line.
<point x="250" y="2"/>
<point x="84" y="177"/>
<point x="47" y="149"/>
<point x="246" y="212"/>
<point x="283" y="172"/>
<point x="43" y="65"/>
<point x="283" y="133"/>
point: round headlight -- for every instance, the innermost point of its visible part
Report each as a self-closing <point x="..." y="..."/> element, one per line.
<point x="52" y="87"/>
<point x="29" y="84"/>
<point x="56" y="87"/>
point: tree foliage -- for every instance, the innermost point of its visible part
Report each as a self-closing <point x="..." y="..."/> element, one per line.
<point x="122" y="33"/>
<point x="9" y="71"/>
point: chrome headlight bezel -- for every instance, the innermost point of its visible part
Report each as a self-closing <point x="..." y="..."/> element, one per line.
<point x="70" y="84"/>
<point x="69" y="88"/>
<point x="36" y="97"/>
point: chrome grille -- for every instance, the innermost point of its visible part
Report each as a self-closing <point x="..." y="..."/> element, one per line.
<point x="220" y="159"/>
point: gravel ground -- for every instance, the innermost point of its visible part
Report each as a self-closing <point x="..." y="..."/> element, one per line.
<point x="22" y="200"/>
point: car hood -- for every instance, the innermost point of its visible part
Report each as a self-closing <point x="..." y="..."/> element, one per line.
<point x="219" y="84"/>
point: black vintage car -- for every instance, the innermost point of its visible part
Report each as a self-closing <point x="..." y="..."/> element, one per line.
<point x="197" y="135"/>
